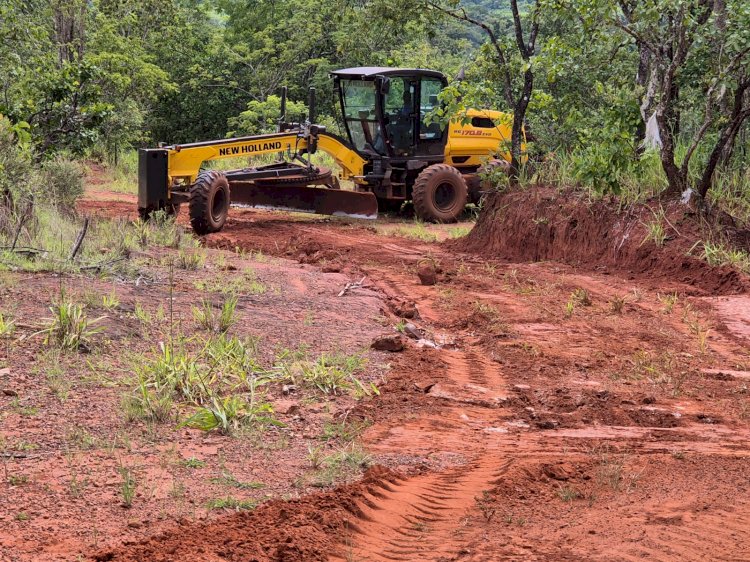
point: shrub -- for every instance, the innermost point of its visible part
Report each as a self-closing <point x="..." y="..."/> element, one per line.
<point x="69" y="328"/>
<point x="63" y="179"/>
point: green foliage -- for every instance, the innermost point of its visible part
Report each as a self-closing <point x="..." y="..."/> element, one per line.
<point x="69" y="328"/>
<point x="207" y="318"/>
<point x="222" y="381"/>
<point x="130" y="73"/>
<point x="331" y="374"/>
<point x="233" y="503"/>
<point x="7" y="326"/>
<point x="339" y="465"/>
<point x="63" y="180"/>
<point x="720" y="254"/>
<point x="263" y="116"/>
<point x="128" y="485"/>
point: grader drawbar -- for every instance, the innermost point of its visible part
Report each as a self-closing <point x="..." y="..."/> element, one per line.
<point x="393" y="152"/>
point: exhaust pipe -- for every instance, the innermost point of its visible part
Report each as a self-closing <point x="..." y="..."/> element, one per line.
<point x="311" y="106"/>
<point x="282" y="115"/>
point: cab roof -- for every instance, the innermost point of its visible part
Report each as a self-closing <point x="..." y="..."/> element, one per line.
<point x="369" y="72"/>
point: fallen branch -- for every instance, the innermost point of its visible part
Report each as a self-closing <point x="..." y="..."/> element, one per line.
<point x="79" y="239"/>
<point x="26" y="215"/>
<point x="349" y="286"/>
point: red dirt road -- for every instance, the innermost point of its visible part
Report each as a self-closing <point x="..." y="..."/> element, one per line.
<point x="547" y="413"/>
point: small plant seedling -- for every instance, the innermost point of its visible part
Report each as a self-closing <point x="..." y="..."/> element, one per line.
<point x="110" y="301"/>
<point x="309" y="319"/>
<point x="191" y="260"/>
<point x="127" y="486"/>
<point x="69" y="328"/>
<point x="617" y="304"/>
<point x="581" y="297"/>
<point x="228" y="479"/>
<point x="141" y="314"/>
<point x="192" y="462"/>
<point x="567" y="494"/>
<point x="668" y="301"/>
<point x="570" y="307"/>
<point x="7" y="326"/>
<point x="315" y="456"/>
<point x="205" y="316"/>
<point x="486" y="506"/>
<point x="655" y="230"/>
<point x="18" y="479"/>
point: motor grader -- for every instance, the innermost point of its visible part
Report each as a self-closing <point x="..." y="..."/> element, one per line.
<point x="392" y="153"/>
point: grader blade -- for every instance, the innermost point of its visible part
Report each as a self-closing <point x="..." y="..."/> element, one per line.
<point x="317" y="200"/>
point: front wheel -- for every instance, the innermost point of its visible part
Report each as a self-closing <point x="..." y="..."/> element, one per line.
<point x="209" y="202"/>
<point x="439" y="193"/>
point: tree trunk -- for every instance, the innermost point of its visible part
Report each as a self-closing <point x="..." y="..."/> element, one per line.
<point x="519" y="116"/>
<point x="642" y="82"/>
<point x="69" y="19"/>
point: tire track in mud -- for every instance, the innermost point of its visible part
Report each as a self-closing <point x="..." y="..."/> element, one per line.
<point x="420" y="518"/>
<point x="424" y="517"/>
<point x="686" y="536"/>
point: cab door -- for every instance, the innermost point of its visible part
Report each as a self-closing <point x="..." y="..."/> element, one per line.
<point x="430" y="136"/>
<point x="400" y="114"/>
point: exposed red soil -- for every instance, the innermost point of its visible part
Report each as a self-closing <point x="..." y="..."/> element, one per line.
<point x="542" y="224"/>
<point x="519" y="427"/>
<point x="300" y="530"/>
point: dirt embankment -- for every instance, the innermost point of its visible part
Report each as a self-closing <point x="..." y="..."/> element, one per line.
<point x="542" y="224"/>
<point x="301" y="530"/>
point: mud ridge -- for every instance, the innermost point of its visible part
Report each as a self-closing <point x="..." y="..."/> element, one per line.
<point x="541" y="224"/>
<point x="303" y="530"/>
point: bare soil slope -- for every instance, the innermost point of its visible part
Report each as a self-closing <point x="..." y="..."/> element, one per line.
<point x="542" y="224"/>
<point x="547" y="413"/>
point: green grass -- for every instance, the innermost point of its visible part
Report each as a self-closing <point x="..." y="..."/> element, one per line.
<point x="655" y="230"/>
<point x="718" y="254"/>
<point x="69" y="328"/>
<point x="228" y="479"/>
<point x="340" y="465"/>
<point x="458" y="231"/>
<point x="123" y="177"/>
<point x="247" y="283"/>
<point x="128" y="485"/>
<point x="230" y="502"/>
<point x="330" y="373"/>
<point x="344" y="430"/>
<point x="205" y="316"/>
<point x="192" y="462"/>
<point x="418" y="230"/>
<point x="191" y="259"/>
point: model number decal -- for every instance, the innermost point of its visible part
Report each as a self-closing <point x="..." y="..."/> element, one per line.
<point x="249" y="148"/>
<point x="465" y="133"/>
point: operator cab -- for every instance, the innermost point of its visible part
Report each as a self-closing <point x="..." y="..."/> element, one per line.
<point x="385" y="111"/>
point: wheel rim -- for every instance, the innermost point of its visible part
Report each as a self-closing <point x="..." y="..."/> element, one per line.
<point x="218" y="205"/>
<point x="445" y="196"/>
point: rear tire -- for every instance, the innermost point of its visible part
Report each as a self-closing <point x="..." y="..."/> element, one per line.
<point x="439" y="194"/>
<point x="209" y="202"/>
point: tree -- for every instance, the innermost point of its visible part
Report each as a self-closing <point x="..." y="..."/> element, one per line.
<point x="695" y="53"/>
<point x="517" y="96"/>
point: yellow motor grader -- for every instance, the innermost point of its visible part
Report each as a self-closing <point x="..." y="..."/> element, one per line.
<point x="392" y="153"/>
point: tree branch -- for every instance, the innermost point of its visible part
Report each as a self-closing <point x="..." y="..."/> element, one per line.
<point x="463" y="16"/>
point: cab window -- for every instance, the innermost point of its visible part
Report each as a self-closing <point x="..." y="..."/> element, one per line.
<point x="359" y="111"/>
<point x="429" y="101"/>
